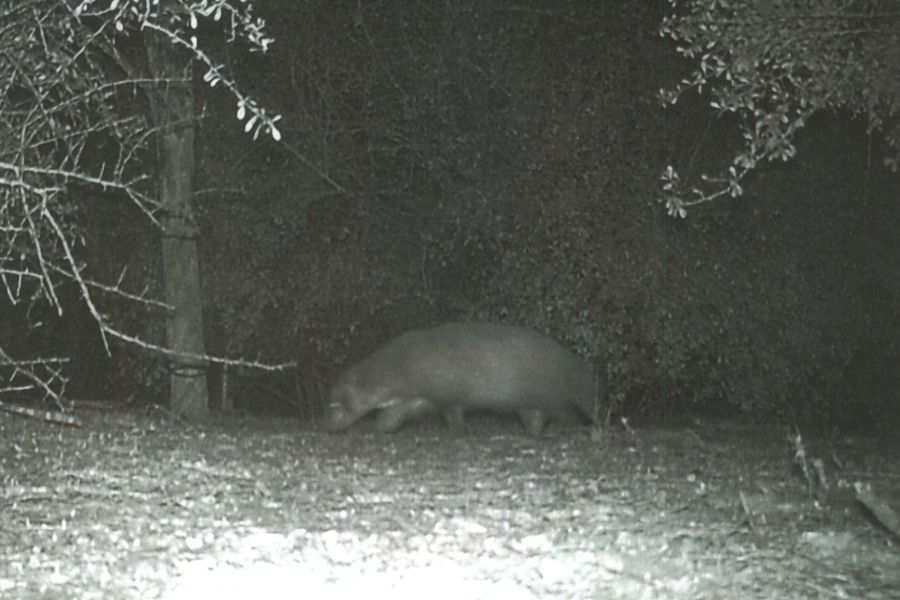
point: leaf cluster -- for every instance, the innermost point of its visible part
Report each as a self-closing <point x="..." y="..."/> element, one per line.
<point x="774" y="64"/>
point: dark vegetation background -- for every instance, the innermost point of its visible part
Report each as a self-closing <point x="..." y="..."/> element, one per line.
<point x="499" y="160"/>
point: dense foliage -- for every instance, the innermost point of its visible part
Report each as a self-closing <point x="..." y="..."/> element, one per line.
<point x="473" y="161"/>
<point x="482" y="160"/>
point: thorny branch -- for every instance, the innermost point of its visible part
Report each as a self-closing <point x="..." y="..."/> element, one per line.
<point x="73" y="123"/>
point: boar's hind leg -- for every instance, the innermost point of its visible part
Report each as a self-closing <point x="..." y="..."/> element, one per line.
<point x="454" y="418"/>
<point x="533" y="420"/>
<point x="390" y="419"/>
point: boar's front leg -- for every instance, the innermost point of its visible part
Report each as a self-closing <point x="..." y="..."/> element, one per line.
<point x="533" y="420"/>
<point x="454" y="417"/>
<point x="390" y="419"/>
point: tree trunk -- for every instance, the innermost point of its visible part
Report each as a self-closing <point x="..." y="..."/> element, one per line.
<point x="172" y="109"/>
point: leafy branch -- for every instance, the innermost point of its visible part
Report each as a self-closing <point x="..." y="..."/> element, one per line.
<point x="774" y="64"/>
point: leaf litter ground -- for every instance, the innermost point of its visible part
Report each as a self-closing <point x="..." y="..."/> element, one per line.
<point x="131" y="505"/>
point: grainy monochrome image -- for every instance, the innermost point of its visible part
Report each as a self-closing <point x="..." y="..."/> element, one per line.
<point x="449" y="299"/>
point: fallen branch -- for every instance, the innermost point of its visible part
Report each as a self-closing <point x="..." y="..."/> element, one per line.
<point x="880" y="509"/>
<point x="51" y="416"/>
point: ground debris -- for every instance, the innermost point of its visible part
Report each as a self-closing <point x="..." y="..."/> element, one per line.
<point x="263" y="509"/>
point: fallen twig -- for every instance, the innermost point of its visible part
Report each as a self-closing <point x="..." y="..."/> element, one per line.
<point x="51" y="416"/>
<point x="886" y="515"/>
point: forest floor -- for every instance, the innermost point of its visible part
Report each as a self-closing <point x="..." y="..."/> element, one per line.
<point x="133" y="504"/>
